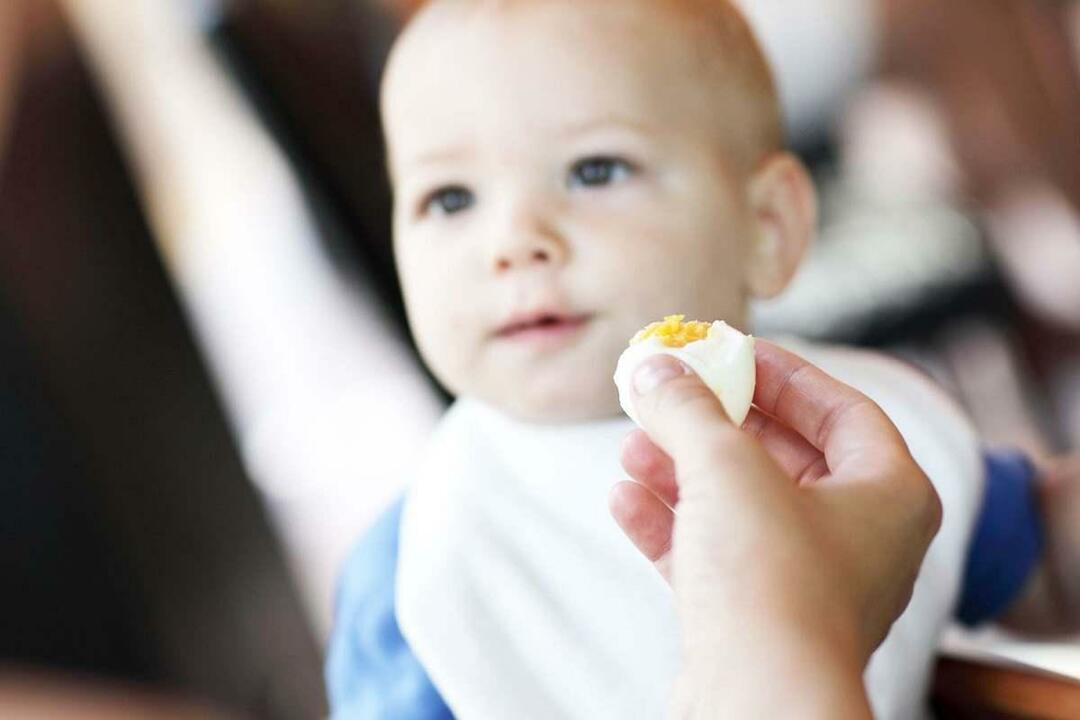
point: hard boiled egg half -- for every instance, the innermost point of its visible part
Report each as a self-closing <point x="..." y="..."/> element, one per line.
<point x="719" y="354"/>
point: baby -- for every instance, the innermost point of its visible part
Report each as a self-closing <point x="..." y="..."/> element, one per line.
<point x="565" y="172"/>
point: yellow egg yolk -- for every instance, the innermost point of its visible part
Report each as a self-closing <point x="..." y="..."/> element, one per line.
<point x="673" y="332"/>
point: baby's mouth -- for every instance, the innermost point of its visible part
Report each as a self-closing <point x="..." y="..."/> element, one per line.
<point x="542" y="326"/>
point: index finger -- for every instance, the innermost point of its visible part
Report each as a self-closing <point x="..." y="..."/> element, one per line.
<point x="837" y="419"/>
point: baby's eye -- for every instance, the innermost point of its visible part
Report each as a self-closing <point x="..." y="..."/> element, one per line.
<point x="448" y="200"/>
<point x="599" y="171"/>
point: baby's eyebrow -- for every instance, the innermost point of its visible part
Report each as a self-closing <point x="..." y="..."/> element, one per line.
<point x="438" y="156"/>
<point x="606" y="122"/>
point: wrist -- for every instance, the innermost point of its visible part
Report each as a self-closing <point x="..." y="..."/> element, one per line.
<point x="773" y="668"/>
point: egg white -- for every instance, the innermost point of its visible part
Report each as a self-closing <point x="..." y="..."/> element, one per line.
<point x="724" y="360"/>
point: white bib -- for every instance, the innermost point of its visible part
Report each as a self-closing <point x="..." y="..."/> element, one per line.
<point x="523" y="599"/>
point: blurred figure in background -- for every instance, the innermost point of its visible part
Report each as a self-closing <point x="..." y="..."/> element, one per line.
<point x="306" y="361"/>
<point x="61" y="610"/>
<point x="969" y="133"/>
<point x="132" y="549"/>
<point x="52" y="550"/>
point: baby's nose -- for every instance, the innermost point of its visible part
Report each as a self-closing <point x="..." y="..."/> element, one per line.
<point x="528" y="242"/>
<point x="537" y="256"/>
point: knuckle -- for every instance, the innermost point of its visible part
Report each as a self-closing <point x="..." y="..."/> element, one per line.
<point x="933" y="510"/>
<point x="924" y="500"/>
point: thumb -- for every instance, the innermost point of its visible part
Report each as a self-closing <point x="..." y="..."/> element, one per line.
<point x="685" y="419"/>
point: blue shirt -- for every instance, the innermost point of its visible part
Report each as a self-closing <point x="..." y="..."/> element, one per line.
<point x="372" y="674"/>
<point x="1008" y="540"/>
<point x="370" y="671"/>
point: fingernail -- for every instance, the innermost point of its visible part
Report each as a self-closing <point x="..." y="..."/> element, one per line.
<point x="656" y="371"/>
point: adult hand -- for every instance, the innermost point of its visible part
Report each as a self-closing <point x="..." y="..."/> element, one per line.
<point x="795" y="542"/>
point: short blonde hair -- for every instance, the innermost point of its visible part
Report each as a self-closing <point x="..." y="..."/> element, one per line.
<point x="727" y="40"/>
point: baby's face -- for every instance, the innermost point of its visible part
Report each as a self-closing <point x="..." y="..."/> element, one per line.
<point x="560" y="182"/>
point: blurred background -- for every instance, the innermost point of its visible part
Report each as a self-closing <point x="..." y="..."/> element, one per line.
<point x="207" y="388"/>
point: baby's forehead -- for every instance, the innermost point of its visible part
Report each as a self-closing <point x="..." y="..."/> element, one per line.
<point x="690" y="35"/>
<point x="694" y="57"/>
<point x="511" y="29"/>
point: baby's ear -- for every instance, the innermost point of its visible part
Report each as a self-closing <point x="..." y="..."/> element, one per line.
<point x="784" y="207"/>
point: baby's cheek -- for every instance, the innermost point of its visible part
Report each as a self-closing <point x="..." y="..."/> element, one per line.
<point x="466" y="356"/>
